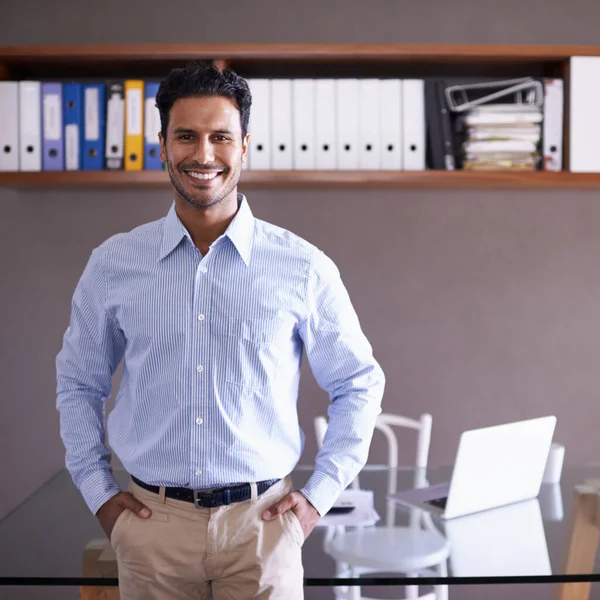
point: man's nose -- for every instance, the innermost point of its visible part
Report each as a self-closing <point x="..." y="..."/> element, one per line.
<point x="204" y="152"/>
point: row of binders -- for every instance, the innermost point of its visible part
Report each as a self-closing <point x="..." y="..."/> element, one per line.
<point x="302" y="124"/>
<point x="331" y="124"/>
<point x="55" y="126"/>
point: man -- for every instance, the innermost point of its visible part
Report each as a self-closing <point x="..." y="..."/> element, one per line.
<point x="211" y="310"/>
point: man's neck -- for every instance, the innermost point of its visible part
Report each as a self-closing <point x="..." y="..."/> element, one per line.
<point x="206" y="225"/>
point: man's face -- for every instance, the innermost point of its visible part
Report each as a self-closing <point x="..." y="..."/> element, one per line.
<point x="204" y="149"/>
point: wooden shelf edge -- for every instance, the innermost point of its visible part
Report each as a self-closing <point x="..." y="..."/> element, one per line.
<point x="315" y="180"/>
<point x="352" y="52"/>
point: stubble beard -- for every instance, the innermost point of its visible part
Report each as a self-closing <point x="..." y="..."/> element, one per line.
<point x="188" y="198"/>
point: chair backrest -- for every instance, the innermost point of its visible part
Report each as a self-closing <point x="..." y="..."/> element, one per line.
<point x="384" y="423"/>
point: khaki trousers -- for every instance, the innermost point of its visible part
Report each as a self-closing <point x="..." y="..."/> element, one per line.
<point x="182" y="552"/>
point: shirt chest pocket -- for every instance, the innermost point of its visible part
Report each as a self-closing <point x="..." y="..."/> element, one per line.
<point x="249" y="350"/>
<point x="260" y="331"/>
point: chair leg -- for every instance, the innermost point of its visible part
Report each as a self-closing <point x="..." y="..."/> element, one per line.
<point x="411" y="592"/>
<point x="355" y="592"/>
<point x="342" y="570"/>
<point x="441" y="591"/>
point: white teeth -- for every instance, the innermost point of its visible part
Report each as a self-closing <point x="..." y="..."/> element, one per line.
<point x="202" y="175"/>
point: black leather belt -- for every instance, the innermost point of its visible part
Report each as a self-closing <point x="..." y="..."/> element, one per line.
<point x="210" y="498"/>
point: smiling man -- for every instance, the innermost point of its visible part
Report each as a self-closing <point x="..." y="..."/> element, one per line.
<point x="211" y="310"/>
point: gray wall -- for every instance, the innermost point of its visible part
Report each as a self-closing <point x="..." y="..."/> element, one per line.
<point x="482" y="306"/>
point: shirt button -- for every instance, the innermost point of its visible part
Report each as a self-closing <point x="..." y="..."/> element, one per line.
<point x="199" y="421"/>
<point x="199" y="368"/>
<point x="203" y="269"/>
<point x="198" y="471"/>
<point x="200" y="317"/>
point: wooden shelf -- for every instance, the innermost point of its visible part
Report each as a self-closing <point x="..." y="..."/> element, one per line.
<point x="316" y="180"/>
<point x="289" y="60"/>
<point x="297" y="61"/>
<point x="113" y="53"/>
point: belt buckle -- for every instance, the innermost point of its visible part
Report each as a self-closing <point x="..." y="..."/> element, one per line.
<point x="212" y="497"/>
<point x="198" y="500"/>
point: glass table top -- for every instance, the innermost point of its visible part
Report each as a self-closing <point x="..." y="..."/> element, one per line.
<point x="42" y="541"/>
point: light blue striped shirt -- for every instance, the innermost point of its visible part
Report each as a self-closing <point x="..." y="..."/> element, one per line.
<point x="212" y="348"/>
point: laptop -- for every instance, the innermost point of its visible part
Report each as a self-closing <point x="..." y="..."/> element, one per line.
<point x="494" y="466"/>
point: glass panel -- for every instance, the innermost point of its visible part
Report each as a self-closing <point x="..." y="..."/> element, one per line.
<point x="46" y="535"/>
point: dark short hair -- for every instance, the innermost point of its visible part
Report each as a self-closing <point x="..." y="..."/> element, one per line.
<point x="200" y="79"/>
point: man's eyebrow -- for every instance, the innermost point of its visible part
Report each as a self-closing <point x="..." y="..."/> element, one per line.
<point x="183" y="130"/>
<point x="188" y="130"/>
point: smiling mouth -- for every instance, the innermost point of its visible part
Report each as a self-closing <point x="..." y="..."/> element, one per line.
<point x="204" y="176"/>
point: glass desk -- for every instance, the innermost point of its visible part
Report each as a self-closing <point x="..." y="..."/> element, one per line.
<point x="43" y="541"/>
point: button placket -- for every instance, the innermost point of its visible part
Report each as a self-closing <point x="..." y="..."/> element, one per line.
<point x="201" y="343"/>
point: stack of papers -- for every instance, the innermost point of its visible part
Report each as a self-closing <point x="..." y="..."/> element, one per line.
<point x="502" y="136"/>
<point x="364" y="512"/>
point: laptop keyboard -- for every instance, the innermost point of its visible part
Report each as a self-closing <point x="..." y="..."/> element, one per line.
<point x="439" y="502"/>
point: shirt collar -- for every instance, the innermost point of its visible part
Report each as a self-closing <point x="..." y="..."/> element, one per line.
<point x="240" y="231"/>
<point x="173" y="233"/>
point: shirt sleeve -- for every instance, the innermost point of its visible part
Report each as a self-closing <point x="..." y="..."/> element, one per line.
<point x="342" y="362"/>
<point x="93" y="346"/>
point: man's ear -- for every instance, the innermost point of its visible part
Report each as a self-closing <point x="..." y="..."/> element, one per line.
<point x="245" y="146"/>
<point x="163" y="150"/>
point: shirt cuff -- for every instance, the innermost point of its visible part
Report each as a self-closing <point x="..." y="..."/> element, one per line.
<point x="97" y="488"/>
<point x="321" y="491"/>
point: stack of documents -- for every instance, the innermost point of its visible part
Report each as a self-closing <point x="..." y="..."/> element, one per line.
<point x="501" y="136"/>
<point x="364" y="512"/>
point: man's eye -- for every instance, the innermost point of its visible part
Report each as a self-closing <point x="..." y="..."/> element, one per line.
<point x="185" y="137"/>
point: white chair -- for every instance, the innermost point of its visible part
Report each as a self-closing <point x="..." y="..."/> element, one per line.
<point x="416" y="550"/>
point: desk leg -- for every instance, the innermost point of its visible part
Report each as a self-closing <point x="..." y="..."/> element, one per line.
<point x="582" y="543"/>
<point x="99" y="561"/>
